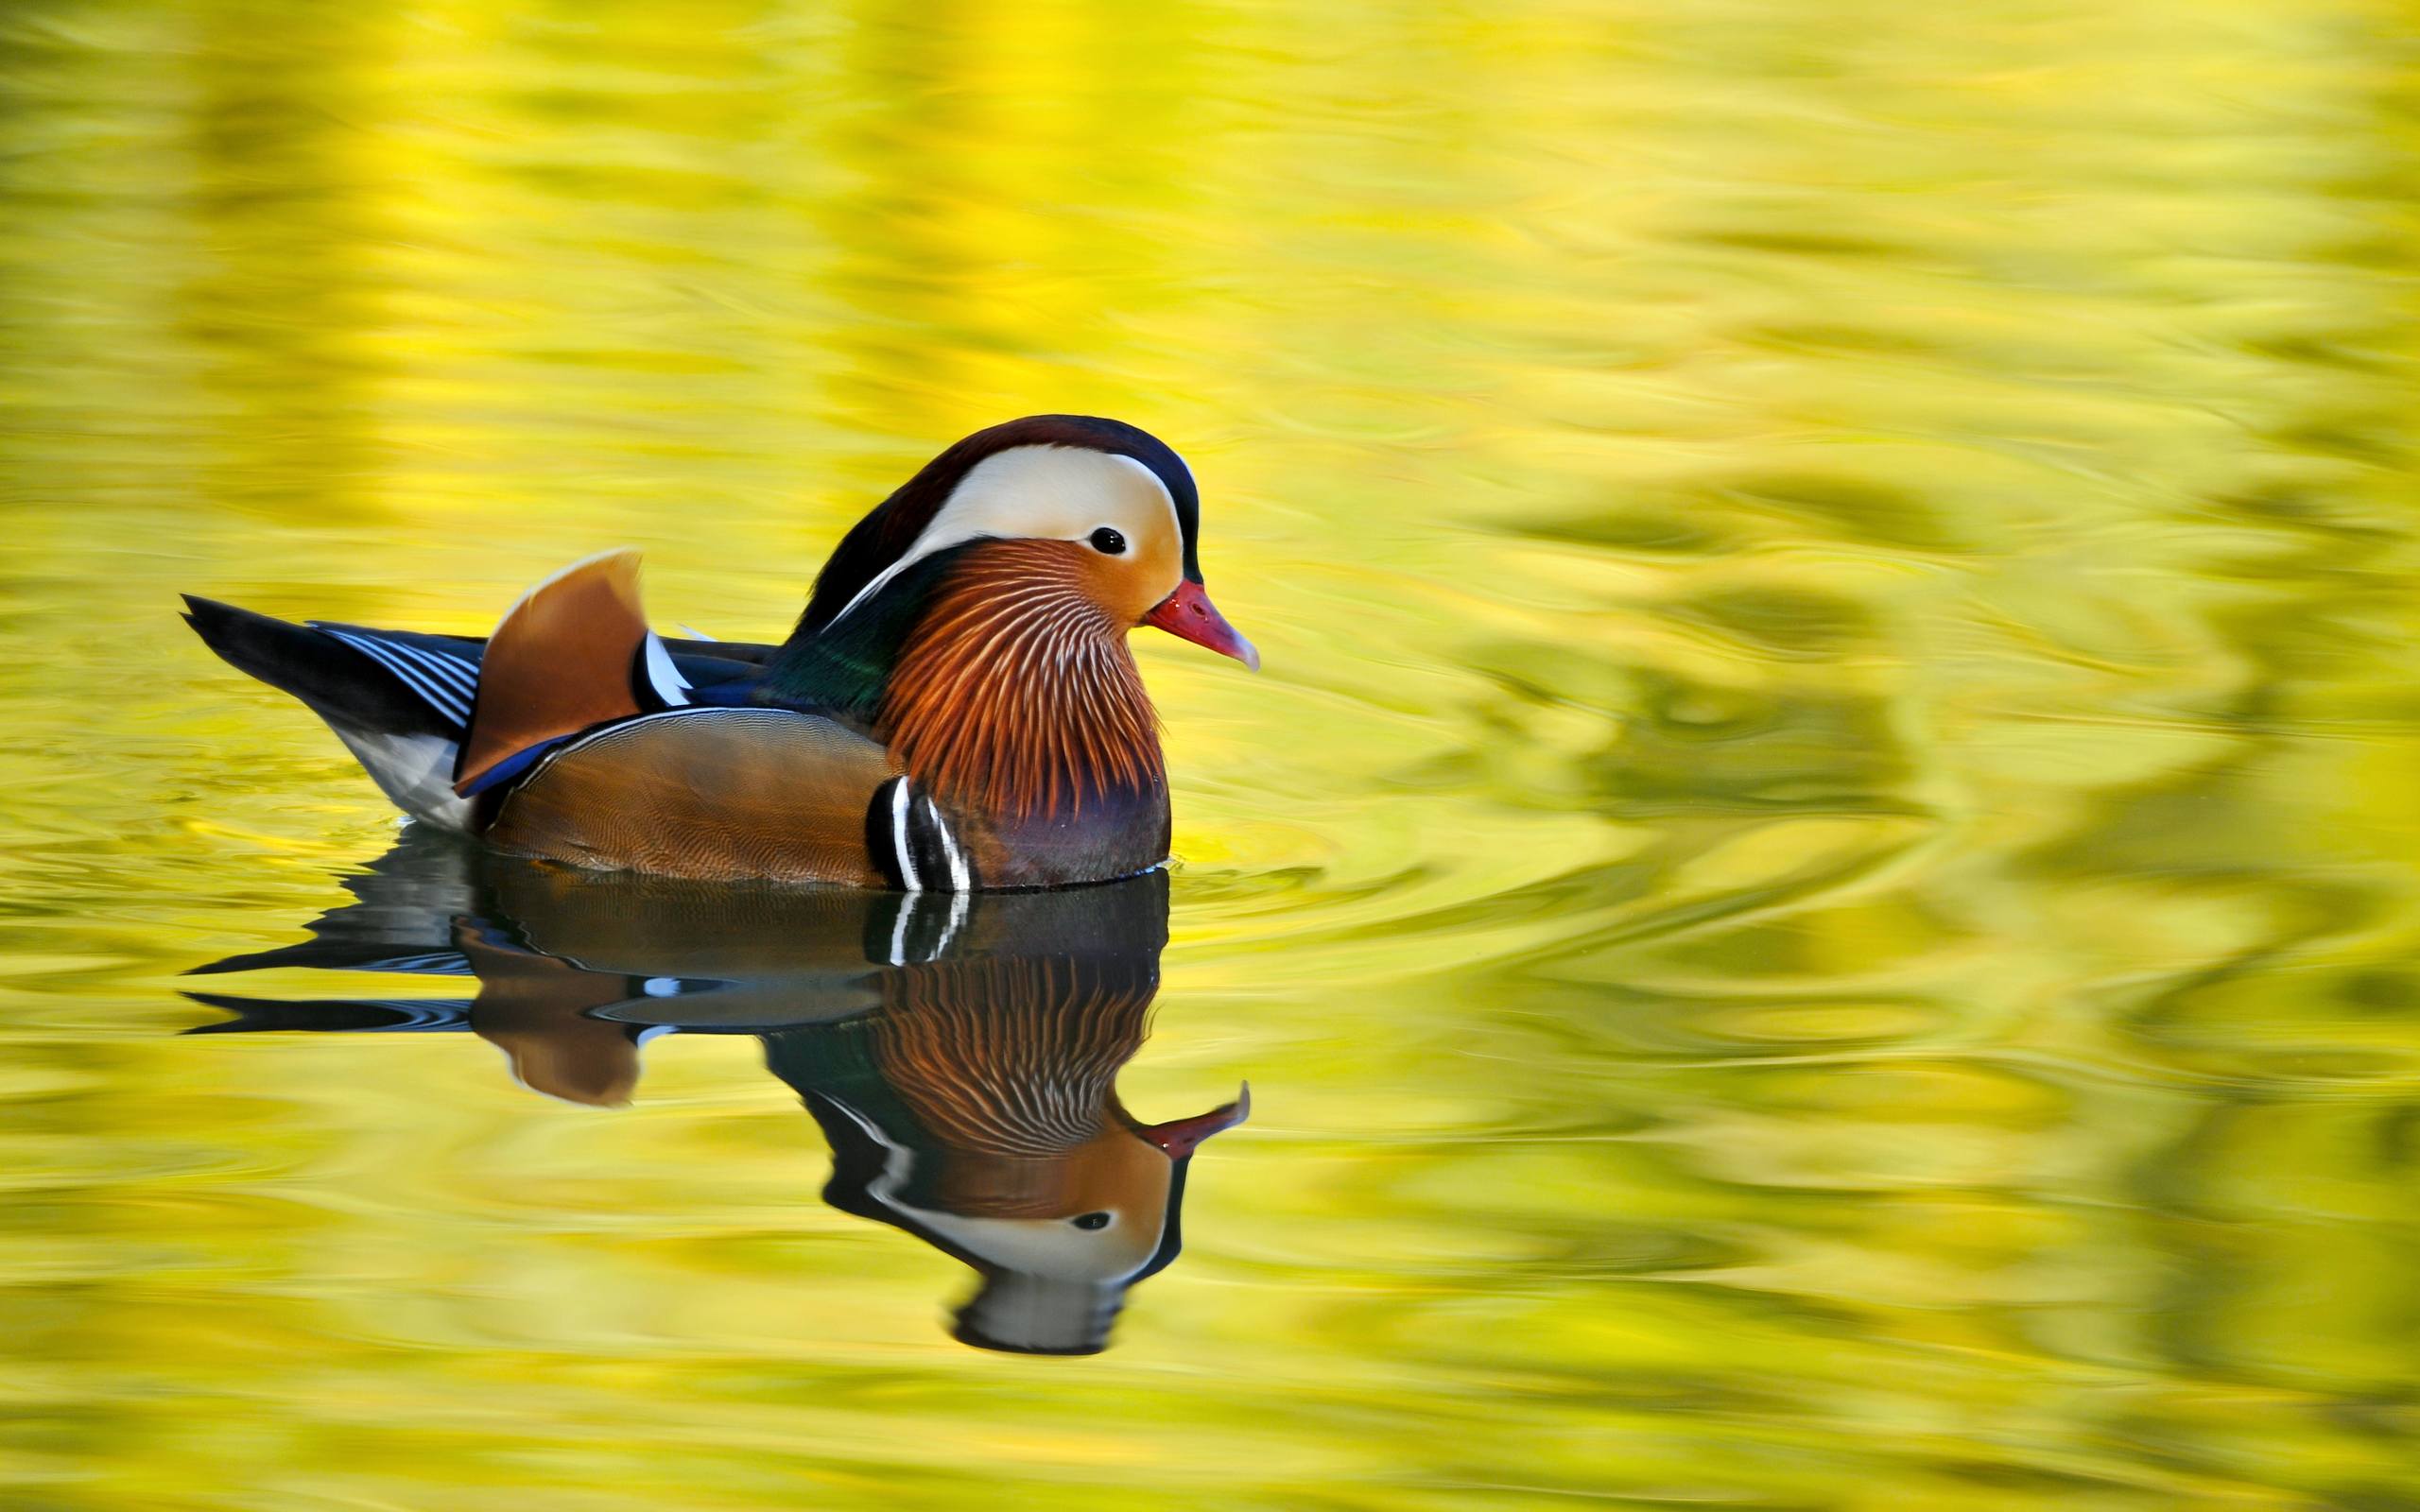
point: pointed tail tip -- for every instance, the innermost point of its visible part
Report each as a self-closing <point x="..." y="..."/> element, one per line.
<point x="220" y="625"/>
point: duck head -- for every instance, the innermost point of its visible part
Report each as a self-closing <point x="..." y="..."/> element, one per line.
<point x="1058" y="1238"/>
<point x="1117" y="504"/>
<point x="976" y="623"/>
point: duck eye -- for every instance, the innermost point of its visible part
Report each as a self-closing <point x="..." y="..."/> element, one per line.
<point x="1108" y="542"/>
<point x="1092" y="1220"/>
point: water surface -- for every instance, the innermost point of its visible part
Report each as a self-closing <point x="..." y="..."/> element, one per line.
<point x="1817" y="897"/>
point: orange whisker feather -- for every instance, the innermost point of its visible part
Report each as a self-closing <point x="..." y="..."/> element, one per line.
<point x="1016" y="694"/>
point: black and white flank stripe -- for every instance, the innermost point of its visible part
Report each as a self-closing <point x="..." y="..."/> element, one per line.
<point x="910" y="842"/>
<point x="922" y="928"/>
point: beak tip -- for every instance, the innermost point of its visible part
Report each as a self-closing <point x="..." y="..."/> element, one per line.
<point x="1178" y="1138"/>
<point x="1189" y="615"/>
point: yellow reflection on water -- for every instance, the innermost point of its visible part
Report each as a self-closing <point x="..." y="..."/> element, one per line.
<point x="1817" y="894"/>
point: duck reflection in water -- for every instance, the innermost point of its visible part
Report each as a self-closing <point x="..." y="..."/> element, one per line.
<point x="960" y="1052"/>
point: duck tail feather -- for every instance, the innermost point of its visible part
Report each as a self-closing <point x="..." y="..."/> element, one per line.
<point x="344" y="685"/>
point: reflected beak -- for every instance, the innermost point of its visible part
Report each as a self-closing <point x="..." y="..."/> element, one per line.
<point x="1189" y="615"/>
<point x="1177" y="1139"/>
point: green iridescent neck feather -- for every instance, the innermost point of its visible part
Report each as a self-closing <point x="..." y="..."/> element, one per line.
<point x="842" y="667"/>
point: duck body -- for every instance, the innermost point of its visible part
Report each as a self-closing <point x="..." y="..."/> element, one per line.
<point x="956" y="711"/>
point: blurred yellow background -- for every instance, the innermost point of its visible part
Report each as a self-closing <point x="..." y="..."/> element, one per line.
<point x="1818" y="896"/>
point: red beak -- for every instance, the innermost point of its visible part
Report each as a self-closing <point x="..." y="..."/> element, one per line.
<point x="1189" y="615"/>
<point x="1178" y="1137"/>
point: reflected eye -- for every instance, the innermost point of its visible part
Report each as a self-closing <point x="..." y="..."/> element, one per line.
<point x="1091" y="1220"/>
<point x="1108" y="542"/>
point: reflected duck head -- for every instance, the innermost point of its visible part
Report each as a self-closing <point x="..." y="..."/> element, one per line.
<point x="978" y="1111"/>
<point x="1057" y="1239"/>
<point x="1055" y="1285"/>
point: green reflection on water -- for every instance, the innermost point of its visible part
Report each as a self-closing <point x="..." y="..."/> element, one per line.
<point x="1817" y="896"/>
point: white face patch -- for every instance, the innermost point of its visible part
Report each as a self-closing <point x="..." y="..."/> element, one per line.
<point x="1044" y="493"/>
<point x="1048" y="1247"/>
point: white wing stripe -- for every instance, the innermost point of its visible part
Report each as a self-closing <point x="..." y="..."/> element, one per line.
<point x="447" y="668"/>
<point x="391" y="661"/>
<point x="444" y="701"/>
<point x="441" y="694"/>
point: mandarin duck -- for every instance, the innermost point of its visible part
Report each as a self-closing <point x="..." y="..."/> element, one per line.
<point x="960" y="1053"/>
<point x="956" y="710"/>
